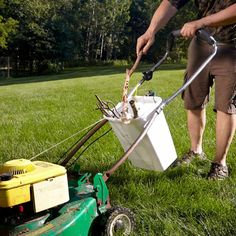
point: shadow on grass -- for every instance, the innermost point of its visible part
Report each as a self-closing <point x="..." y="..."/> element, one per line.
<point x="80" y="72"/>
<point x="127" y="172"/>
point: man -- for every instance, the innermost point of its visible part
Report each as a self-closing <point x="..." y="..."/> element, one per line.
<point x="218" y="17"/>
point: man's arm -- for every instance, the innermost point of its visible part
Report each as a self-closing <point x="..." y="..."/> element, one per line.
<point x="221" y="18"/>
<point x="163" y="14"/>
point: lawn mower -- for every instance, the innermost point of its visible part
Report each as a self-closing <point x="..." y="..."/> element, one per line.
<point x="42" y="198"/>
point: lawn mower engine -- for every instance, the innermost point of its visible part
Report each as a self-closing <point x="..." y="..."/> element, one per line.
<point x="28" y="188"/>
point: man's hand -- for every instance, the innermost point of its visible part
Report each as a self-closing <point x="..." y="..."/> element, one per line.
<point x="189" y="29"/>
<point x="144" y="42"/>
<point x="160" y="18"/>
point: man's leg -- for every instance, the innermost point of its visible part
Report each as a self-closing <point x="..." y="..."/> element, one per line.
<point x="196" y="120"/>
<point x="196" y="125"/>
<point x="225" y="129"/>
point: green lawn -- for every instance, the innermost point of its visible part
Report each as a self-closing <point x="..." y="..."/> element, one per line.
<point x="38" y="112"/>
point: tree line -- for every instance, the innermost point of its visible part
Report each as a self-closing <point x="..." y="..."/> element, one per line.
<point x="46" y="35"/>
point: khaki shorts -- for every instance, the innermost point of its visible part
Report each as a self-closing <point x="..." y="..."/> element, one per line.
<point x="221" y="72"/>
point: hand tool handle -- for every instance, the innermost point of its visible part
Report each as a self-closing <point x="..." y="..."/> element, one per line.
<point x="200" y="33"/>
<point x="205" y="36"/>
<point x="171" y="40"/>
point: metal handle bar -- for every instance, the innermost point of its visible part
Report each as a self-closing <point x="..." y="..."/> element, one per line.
<point x="205" y="36"/>
<point x="147" y="75"/>
<point x="171" y="39"/>
<point x="201" y="34"/>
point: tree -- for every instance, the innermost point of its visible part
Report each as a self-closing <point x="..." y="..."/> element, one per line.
<point x="37" y="43"/>
<point x="7" y="27"/>
<point x="103" y="27"/>
<point x="48" y="32"/>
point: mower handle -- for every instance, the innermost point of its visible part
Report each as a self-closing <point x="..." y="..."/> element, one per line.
<point x="171" y="39"/>
<point x="205" y="36"/>
<point x="200" y="34"/>
<point x="147" y="75"/>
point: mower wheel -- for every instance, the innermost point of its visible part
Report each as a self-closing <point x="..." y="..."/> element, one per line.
<point x="119" y="221"/>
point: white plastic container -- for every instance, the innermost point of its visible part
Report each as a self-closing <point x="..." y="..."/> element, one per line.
<point x="156" y="151"/>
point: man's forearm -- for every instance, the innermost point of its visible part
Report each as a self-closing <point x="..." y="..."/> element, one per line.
<point x="224" y="17"/>
<point x="163" y="14"/>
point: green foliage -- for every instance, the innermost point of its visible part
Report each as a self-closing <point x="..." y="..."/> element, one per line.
<point x="7" y="27"/>
<point x="104" y="23"/>
<point x="51" y="31"/>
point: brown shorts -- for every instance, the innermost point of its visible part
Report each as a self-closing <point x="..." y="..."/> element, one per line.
<point x="221" y="71"/>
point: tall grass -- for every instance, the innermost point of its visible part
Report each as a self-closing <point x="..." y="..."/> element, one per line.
<point x="38" y="112"/>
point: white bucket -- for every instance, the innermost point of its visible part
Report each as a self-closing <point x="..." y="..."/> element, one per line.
<point x="156" y="151"/>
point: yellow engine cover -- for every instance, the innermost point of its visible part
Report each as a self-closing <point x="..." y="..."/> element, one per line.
<point x="25" y="173"/>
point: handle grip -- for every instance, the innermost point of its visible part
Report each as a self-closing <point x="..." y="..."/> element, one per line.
<point x="176" y="33"/>
<point x="205" y="36"/>
<point x="200" y="33"/>
<point x="171" y="39"/>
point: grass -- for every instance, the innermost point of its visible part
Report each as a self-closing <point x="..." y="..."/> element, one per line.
<point x="38" y="112"/>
